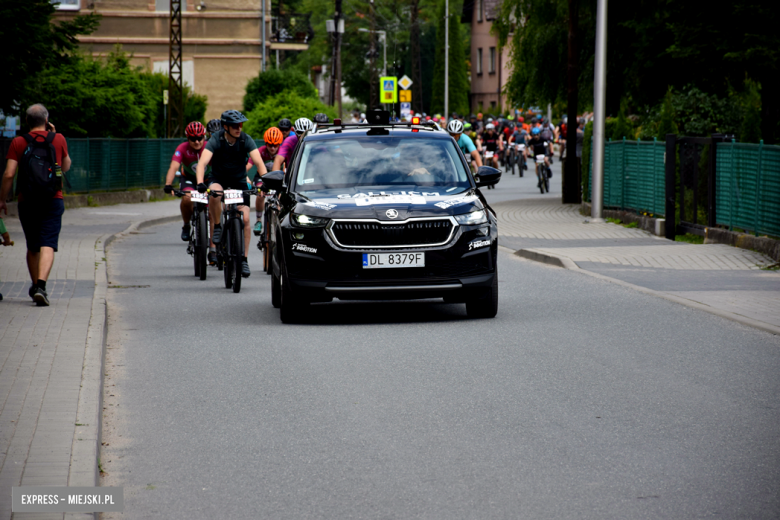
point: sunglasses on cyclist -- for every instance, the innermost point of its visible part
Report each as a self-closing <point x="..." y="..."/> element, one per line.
<point x="235" y="126"/>
<point x="196" y="139"/>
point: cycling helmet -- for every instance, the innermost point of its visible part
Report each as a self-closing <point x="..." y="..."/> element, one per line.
<point x="536" y="130"/>
<point x="521" y="119"/>
<point x="455" y="127"/>
<point x="302" y="124"/>
<point x="195" y="129"/>
<point x="321" y="118"/>
<point x="213" y="126"/>
<point x="490" y="126"/>
<point x="467" y="126"/>
<point x="285" y="124"/>
<point x="273" y="136"/>
<point x="232" y="117"/>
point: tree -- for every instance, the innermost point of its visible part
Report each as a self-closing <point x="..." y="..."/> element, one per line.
<point x="287" y="104"/>
<point x="271" y="82"/>
<point x="33" y="43"/>
<point x="194" y="104"/>
<point x="458" y="85"/>
<point x="623" y="127"/>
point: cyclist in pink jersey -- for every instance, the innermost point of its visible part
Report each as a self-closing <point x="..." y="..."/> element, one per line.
<point x="186" y="156"/>
<point x="289" y="144"/>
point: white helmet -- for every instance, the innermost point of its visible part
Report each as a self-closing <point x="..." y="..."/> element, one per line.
<point x="490" y="126"/>
<point x="455" y="127"/>
<point x="302" y="124"/>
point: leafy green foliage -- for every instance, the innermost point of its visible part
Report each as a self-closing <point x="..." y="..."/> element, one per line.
<point x="33" y="43"/>
<point x="458" y="84"/>
<point x="194" y="104"/>
<point x="623" y="127"/>
<point x="273" y="81"/>
<point x="287" y="104"/>
<point x="750" y="131"/>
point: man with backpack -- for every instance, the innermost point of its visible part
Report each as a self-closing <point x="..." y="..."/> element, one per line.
<point x="42" y="157"/>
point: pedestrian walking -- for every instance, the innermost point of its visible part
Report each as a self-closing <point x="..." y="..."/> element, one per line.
<point x="40" y="157"/>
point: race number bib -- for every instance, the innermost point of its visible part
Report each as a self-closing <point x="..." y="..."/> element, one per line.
<point x="489" y="155"/>
<point x="234" y="197"/>
<point x="201" y="198"/>
<point x="520" y="147"/>
<point x="540" y="159"/>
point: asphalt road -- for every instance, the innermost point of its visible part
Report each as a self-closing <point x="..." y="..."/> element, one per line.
<point x="581" y="399"/>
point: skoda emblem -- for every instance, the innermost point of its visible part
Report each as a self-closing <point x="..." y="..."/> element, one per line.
<point x="391" y="213"/>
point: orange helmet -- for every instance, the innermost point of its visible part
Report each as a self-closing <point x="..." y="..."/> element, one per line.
<point x="273" y="136"/>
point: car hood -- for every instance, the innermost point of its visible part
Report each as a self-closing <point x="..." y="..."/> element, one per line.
<point x="379" y="203"/>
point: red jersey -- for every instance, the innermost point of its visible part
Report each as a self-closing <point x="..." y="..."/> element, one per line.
<point x="188" y="157"/>
<point x="18" y="145"/>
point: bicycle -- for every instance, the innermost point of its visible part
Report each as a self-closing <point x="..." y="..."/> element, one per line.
<point x="487" y="160"/>
<point x="198" y="245"/>
<point x="263" y="243"/>
<point x="541" y="173"/>
<point x="230" y="249"/>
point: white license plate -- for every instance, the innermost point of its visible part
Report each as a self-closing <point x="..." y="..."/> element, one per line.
<point x="201" y="198"/>
<point x="234" y="197"/>
<point x="387" y="260"/>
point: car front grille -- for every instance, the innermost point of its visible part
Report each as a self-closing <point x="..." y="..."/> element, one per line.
<point x="413" y="233"/>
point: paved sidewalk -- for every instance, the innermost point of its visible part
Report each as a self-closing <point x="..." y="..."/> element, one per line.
<point x="50" y="357"/>
<point x="719" y="278"/>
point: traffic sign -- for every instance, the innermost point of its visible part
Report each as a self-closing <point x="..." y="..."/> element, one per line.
<point x="405" y="96"/>
<point x="405" y="82"/>
<point x="388" y="89"/>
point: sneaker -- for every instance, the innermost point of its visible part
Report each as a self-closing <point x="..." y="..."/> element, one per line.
<point x="245" y="272"/>
<point x="212" y="258"/>
<point x="40" y="297"/>
<point x="217" y="234"/>
<point x="185" y="233"/>
<point x="31" y="291"/>
<point x="258" y="229"/>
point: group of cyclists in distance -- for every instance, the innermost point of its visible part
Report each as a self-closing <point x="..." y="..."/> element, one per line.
<point x="214" y="158"/>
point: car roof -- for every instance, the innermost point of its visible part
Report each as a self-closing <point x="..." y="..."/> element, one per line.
<point x="327" y="132"/>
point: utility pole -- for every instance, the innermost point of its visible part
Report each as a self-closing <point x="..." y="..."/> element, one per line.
<point x="414" y="38"/>
<point x="446" y="59"/>
<point x="176" y="113"/>
<point x="599" y="94"/>
<point x="262" y="36"/>
<point x="339" y="21"/>
<point x="373" y="80"/>
<point x="571" y="172"/>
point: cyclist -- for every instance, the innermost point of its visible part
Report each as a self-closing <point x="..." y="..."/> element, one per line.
<point x="538" y="146"/>
<point x="212" y="127"/>
<point x="273" y="139"/>
<point x="186" y="156"/>
<point x="285" y="125"/>
<point x="489" y="139"/>
<point x="520" y="136"/>
<point x="455" y="129"/>
<point x="288" y="146"/>
<point x="227" y="151"/>
<point x="548" y="136"/>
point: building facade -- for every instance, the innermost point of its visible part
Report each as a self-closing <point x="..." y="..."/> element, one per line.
<point x="490" y="65"/>
<point x="221" y="41"/>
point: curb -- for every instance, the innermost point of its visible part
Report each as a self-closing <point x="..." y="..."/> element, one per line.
<point x="85" y="452"/>
<point x="566" y="263"/>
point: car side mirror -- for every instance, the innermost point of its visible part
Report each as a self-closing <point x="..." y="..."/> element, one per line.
<point x="487" y="176"/>
<point x="274" y="180"/>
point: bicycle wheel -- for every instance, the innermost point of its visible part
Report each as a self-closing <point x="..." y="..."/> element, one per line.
<point x="202" y="244"/>
<point x="237" y="241"/>
<point x="266" y="234"/>
<point x="194" y="250"/>
<point x="227" y="262"/>
<point x="541" y="180"/>
<point x="546" y="181"/>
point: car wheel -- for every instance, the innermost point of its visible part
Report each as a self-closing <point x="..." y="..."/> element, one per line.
<point x="291" y="305"/>
<point x="484" y="304"/>
<point x="276" y="294"/>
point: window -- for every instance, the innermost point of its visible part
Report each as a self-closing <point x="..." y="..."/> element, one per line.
<point x="492" y="69"/>
<point x="492" y="104"/>
<point x="165" y="5"/>
<point x="479" y="61"/>
<point x="67" y="5"/>
<point x="480" y="4"/>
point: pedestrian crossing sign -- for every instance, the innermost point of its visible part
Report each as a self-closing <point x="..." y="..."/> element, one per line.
<point x="388" y="89"/>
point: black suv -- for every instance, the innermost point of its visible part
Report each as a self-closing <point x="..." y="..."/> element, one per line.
<point x="378" y="212"/>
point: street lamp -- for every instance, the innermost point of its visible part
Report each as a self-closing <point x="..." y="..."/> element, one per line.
<point x="383" y="39"/>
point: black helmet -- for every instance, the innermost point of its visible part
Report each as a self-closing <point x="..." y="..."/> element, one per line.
<point x="321" y="118"/>
<point x="233" y="117"/>
<point x="213" y="126"/>
<point x="285" y="124"/>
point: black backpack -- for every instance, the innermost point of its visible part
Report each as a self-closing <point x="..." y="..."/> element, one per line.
<point x="37" y="176"/>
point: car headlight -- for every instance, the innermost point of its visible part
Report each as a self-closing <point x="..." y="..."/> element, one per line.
<point x="308" y="221"/>
<point x="473" y="218"/>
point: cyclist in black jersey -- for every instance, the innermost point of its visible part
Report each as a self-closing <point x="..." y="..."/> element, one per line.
<point x="228" y="151"/>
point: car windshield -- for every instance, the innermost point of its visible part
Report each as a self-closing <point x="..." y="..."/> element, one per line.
<point x="380" y="161"/>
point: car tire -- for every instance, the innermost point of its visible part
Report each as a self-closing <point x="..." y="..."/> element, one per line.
<point x="290" y="304"/>
<point x="276" y="292"/>
<point x="484" y="304"/>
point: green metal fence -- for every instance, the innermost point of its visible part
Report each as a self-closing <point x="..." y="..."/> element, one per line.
<point x="748" y="187"/>
<point x="120" y="164"/>
<point x="633" y="176"/>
